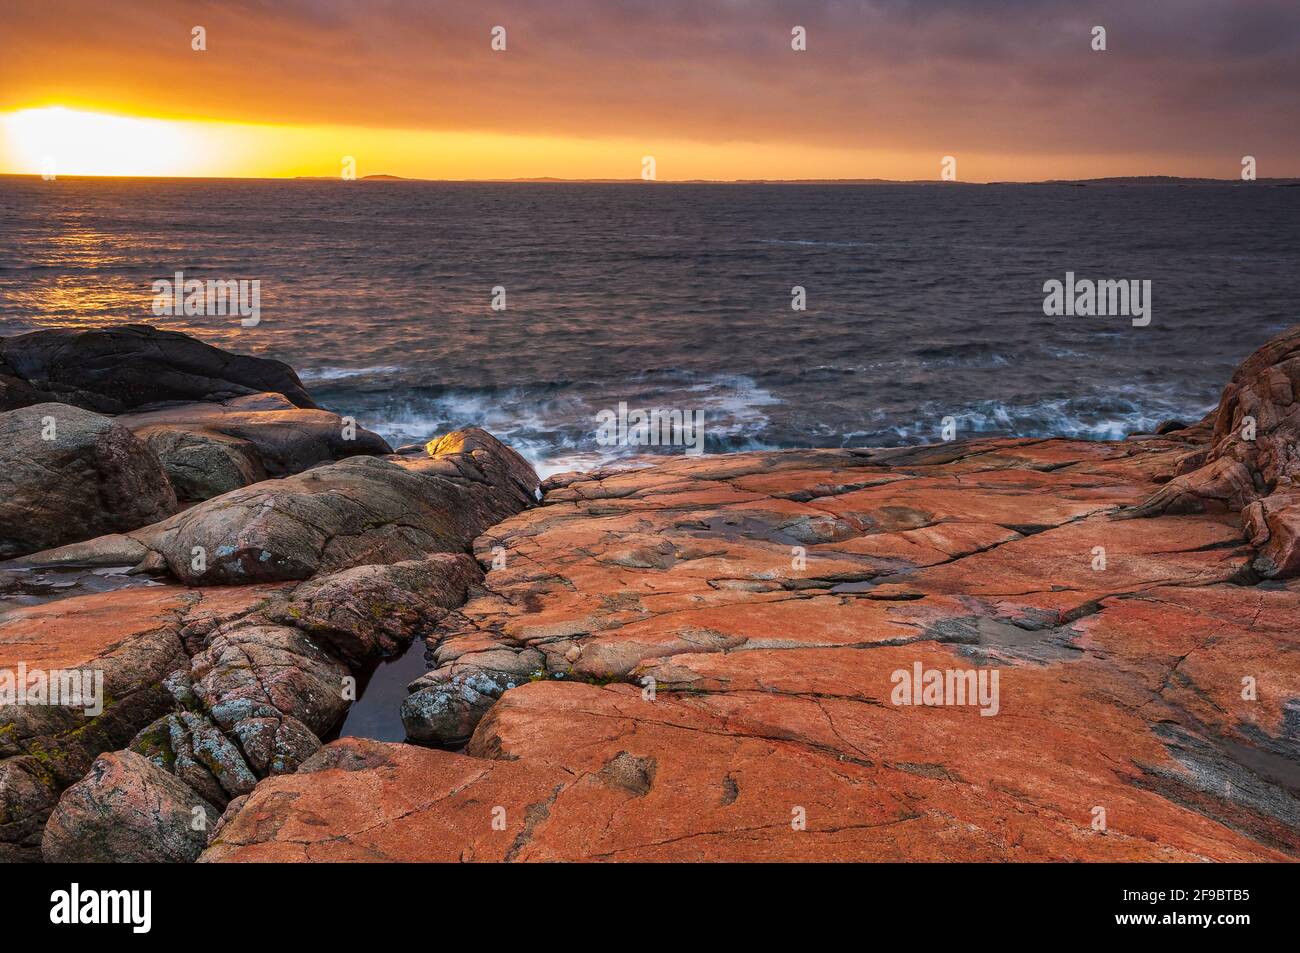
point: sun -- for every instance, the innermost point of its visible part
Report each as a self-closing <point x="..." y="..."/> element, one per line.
<point x="58" y="141"/>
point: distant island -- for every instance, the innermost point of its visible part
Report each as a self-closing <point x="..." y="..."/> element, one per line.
<point x="364" y="178"/>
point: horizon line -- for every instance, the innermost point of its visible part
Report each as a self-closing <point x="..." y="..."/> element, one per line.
<point x="558" y="180"/>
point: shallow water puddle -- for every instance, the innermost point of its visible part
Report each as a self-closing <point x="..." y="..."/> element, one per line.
<point x="376" y="713"/>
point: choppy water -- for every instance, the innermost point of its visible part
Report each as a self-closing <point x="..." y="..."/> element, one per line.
<point x="923" y="302"/>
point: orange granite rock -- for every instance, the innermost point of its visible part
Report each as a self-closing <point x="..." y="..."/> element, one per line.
<point x="703" y="660"/>
<point x="1252" y="463"/>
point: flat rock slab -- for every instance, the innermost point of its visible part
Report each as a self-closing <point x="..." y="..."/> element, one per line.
<point x="698" y="661"/>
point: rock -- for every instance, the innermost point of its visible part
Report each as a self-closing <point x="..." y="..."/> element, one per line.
<point x="1273" y="526"/>
<point x="275" y="745"/>
<point x="268" y="674"/>
<point x="201" y="464"/>
<point x="445" y="713"/>
<point x="103" y="552"/>
<point x="68" y="474"/>
<point x="370" y="612"/>
<point x="128" y="810"/>
<point x="474" y="455"/>
<point x="694" y="678"/>
<point x="190" y="746"/>
<point x="16" y="392"/>
<point x="129" y="640"/>
<point x="1253" y="463"/>
<point x="391" y="802"/>
<point x="264" y="671"/>
<point x="26" y="798"/>
<point x="359" y="511"/>
<point x="135" y="639"/>
<point x="266" y="433"/>
<point x="114" y="369"/>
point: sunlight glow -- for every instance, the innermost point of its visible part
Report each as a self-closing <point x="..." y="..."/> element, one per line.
<point x="71" y="142"/>
<point x="77" y="141"/>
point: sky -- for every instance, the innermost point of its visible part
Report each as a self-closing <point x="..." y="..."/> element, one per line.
<point x="1011" y="89"/>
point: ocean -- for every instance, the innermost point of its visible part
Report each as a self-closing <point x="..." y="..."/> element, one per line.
<point x="922" y="302"/>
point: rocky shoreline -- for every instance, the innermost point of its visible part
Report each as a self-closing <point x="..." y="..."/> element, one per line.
<point x="693" y="660"/>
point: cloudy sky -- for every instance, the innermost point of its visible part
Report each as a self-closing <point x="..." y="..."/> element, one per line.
<point x="886" y="88"/>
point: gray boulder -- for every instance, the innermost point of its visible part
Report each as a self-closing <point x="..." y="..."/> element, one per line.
<point x="445" y="713"/>
<point x="202" y="463"/>
<point x="67" y="474"/>
<point x="371" y="612"/>
<point x="127" y="809"/>
<point x="274" y="437"/>
<point x="188" y="745"/>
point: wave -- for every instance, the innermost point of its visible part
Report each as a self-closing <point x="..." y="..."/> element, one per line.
<point x="1098" y="417"/>
<point x="315" y="375"/>
<point x="554" y="424"/>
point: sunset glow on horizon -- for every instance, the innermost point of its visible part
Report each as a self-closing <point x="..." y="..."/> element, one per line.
<point x="78" y="142"/>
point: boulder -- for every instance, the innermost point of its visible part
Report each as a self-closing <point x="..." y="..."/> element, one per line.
<point x="271" y="434"/>
<point x="443" y="712"/>
<point x="370" y="612"/>
<point x="357" y="512"/>
<point x="275" y="744"/>
<point x="16" y="392"/>
<point x="266" y="671"/>
<point x="360" y="511"/>
<point x="203" y="463"/>
<point x="128" y="810"/>
<point x="26" y="798"/>
<point x="190" y="746"/>
<point x="67" y="474"/>
<point x="114" y="369"/>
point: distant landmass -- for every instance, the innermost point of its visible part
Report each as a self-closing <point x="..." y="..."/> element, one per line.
<point x="1109" y="180"/>
<point x="364" y="178"/>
